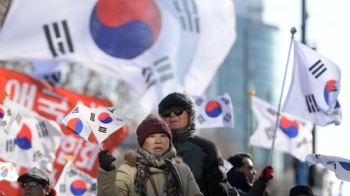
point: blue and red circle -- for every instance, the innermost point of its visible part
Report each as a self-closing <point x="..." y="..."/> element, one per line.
<point x="24" y="138"/>
<point x="345" y="165"/>
<point x="289" y="127"/>
<point x="330" y="87"/>
<point x="2" y="113"/>
<point x="123" y="28"/>
<point x="4" y="173"/>
<point x="76" y="125"/>
<point x="105" y="118"/>
<point x="78" y="187"/>
<point x="213" y="109"/>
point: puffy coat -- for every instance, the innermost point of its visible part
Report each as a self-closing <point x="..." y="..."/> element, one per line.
<point x="200" y="154"/>
<point x="120" y="182"/>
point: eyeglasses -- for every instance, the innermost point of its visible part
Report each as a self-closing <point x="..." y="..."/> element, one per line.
<point x="31" y="184"/>
<point x="177" y="111"/>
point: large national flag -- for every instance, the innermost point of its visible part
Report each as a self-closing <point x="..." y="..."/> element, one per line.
<point x="7" y="116"/>
<point x="32" y="140"/>
<point x="340" y="166"/>
<point x="8" y="172"/>
<point x="293" y="134"/>
<point x="155" y="46"/>
<point x="314" y="89"/>
<point x="213" y="111"/>
<point x="73" y="181"/>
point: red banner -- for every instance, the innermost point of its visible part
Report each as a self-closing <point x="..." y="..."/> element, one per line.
<point x="55" y="103"/>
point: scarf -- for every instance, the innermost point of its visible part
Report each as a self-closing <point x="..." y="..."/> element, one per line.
<point x="145" y="160"/>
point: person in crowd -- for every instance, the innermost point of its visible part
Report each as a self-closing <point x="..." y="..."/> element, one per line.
<point x="242" y="176"/>
<point x="201" y="155"/>
<point x="301" y="190"/>
<point x="151" y="169"/>
<point x="35" y="182"/>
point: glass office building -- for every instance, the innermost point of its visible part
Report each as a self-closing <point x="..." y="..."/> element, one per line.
<point x="251" y="64"/>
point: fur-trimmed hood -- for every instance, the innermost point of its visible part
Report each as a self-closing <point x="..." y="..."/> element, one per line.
<point x="130" y="158"/>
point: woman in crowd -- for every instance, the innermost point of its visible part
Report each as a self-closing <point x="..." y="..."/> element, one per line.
<point x="151" y="169"/>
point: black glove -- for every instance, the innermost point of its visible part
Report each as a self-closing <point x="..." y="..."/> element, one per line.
<point x="106" y="160"/>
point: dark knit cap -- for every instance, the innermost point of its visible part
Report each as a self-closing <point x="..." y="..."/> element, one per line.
<point x="152" y="125"/>
<point x="301" y="190"/>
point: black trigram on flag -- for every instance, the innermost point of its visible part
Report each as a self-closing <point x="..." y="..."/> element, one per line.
<point x="53" y="79"/>
<point x="226" y="101"/>
<point x="199" y="102"/>
<point x="188" y="14"/>
<point x="75" y="110"/>
<point x="200" y="119"/>
<point x="160" y="71"/>
<point x="10" y="145"/>
<point x="92" y="117"/>
<point x="8" y="112"/>
<point x="93" y="187"/>
<point x="102" y="129"/>
<point x="227" y="117"/>
<point x="317" y="69"/>
<point x="58" y="38"/>
<point x="42" y="129"/>
<point x="302" y="142"/>
<point x="18" y="118"/>
<point x="37" y="155"/>
<point x="269" y="132"/>
<point x="62" y="188"/>
<point x="71" y="173"/>
<point x="111" y="110"/>
<point x="311" y="103"/>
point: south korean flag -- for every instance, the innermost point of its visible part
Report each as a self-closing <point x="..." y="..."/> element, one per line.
<point x="213" y="112"/>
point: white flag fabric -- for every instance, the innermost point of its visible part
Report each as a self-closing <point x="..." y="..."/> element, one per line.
<point x="315" y="87"/>
<point x="155" y="46"/>
<point x="105" y="121"/>
<point x="293" y="134"/>
<point x="213" y="111"/>
<point x="8" y="172"/>
<point x="7" y="117"/>
<point x="227" y="165"/>
<point x="76" y="122"/>
<point x="340" y="166"/>
<point x="73" y="182"/>
<point x="47" y="71"/>
<point x="32" y="140"/>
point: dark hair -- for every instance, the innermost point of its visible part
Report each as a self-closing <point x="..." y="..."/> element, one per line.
<point x="237" y="160"/>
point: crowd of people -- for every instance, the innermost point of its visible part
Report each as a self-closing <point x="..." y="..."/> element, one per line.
<point x="170" y="160"/>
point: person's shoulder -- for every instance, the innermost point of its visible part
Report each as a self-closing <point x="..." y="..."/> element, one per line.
<point x="180" y="165"/>
<point x="126" y="168"/>
<point x="203" y="142"/>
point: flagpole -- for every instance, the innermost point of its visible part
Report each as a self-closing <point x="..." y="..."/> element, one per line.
<point x="68" y="158"/>
<point x="292" y="31"/>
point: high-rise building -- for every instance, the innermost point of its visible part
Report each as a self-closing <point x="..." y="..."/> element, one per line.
<point x="250" y="65"/>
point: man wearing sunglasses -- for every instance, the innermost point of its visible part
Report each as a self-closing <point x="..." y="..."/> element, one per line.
<point x="201" y="155"/>
<point x="35" y="182"/>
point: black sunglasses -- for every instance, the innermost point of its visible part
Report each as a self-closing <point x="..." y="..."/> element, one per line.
<point x="31" y="184"/>
<point x="177" y="111"/>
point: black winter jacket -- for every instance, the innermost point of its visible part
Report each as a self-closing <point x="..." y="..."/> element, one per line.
<point x="205" y="162"/>
<point x="239" y="181"/>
